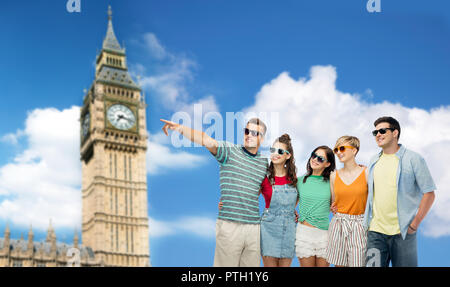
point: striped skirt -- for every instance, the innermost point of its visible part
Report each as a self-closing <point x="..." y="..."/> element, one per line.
<point x="347" y="240"/>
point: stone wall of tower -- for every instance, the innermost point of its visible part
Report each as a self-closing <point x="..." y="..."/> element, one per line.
<point x="115" y="214"/>
<point x="110" y="59"/>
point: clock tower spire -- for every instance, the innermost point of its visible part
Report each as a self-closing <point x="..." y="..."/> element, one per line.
<point x="113" y="144"/>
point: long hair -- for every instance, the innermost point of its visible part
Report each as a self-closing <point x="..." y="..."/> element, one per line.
<point x="327" y="171"/>
<point x="290" y="163"/>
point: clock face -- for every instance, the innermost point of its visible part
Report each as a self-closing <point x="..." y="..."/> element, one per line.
<point x="86" y="124"/>
<point x="121" y="117"/>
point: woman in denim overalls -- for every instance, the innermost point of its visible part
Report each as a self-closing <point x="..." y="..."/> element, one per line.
<point x="280" y="193"/>
<point x="278" y="222"/>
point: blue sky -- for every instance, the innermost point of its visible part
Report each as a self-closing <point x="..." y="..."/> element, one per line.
<point x="396" y="61"/>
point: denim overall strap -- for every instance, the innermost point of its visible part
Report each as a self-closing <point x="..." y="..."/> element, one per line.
<point x="284" y="198"/>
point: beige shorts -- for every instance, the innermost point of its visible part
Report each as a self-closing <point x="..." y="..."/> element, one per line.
<point x="237" y="244"/>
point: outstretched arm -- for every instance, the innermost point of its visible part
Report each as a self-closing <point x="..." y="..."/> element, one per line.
<point x="198" y="137"/>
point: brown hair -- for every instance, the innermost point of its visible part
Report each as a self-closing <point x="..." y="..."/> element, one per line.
<point x="393" y="123"/>
<point x="290" y="163"/>
<point x="330" y="158"/>
<point x="258" y="122"/>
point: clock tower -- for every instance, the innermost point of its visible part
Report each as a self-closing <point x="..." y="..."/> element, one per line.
<point x="113" y="146"/>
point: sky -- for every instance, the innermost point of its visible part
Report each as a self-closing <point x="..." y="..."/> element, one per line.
<point x="314" y="69"/>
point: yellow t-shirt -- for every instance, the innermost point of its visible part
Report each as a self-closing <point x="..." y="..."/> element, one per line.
<point x="385" y="217"/>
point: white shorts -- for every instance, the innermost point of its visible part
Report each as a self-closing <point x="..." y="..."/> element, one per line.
<point x="310" y="241"/>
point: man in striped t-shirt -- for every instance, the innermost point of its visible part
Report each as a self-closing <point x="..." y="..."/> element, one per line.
<point x="242" y="170"/>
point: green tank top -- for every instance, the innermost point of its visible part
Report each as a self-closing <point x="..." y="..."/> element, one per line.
<point x="314" y="201"/>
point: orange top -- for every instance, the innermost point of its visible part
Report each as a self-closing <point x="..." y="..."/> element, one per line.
<point x="351" y="199"/>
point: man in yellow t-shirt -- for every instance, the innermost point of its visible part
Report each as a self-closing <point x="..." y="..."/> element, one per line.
<point x="400" y="194"/>
<point x="385" y="218"/>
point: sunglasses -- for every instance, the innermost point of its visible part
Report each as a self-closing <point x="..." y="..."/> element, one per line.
<point x="342" y="148"/>
<point x="381" y="131"/>
<point x="278" y="150"/>
<point x="319" y="158"/>
<point x="252" y="132"/>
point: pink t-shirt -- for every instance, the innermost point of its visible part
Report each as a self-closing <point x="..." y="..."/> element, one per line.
<point x="266" y="187"/>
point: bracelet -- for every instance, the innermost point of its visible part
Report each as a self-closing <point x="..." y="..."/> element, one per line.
<point x="412" y="228"/>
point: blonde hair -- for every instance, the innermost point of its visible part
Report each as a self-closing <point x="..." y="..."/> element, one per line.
<point x="351" y="140"/>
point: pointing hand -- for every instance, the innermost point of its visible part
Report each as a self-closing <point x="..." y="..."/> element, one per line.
<point x="169" y="126"/>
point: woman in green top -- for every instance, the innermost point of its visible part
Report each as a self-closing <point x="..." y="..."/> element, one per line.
<point x="314" y="209"/>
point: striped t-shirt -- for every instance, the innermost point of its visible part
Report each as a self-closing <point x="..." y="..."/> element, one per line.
<point x="314" y="201"/>
<point x="241" y="176"/>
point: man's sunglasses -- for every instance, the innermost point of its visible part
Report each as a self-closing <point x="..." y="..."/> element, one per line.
<point x="278" y="150"/>
<point x="381" y="131"/>
<point x="342" y="148"/>
<point x="252" y="132"/>
<point x="320" y="159"/>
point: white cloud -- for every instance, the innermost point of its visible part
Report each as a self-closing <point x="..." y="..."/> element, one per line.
<point x="43" y="181"/>
<point x="154" y="46"/>
<point x="207" y="104"/>
<point x="160" y="157"/>
<point x="170" y="78"/>
<point x="159" y="228"/>
<point x="195" y="225"/>
<point x="314" y="113"/>
<point x="12" y="138"/>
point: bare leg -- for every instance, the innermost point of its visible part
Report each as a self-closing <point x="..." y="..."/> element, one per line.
<point x="270" y="261"/>
<point x="285" y="262"/>
<point x="321" y="262"/>
<point x="308" y="261"/>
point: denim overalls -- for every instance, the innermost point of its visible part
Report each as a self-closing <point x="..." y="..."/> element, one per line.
<point x="278" y="223"/>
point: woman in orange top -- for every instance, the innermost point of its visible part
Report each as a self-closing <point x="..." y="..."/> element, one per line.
<point x="347" y="237"/>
